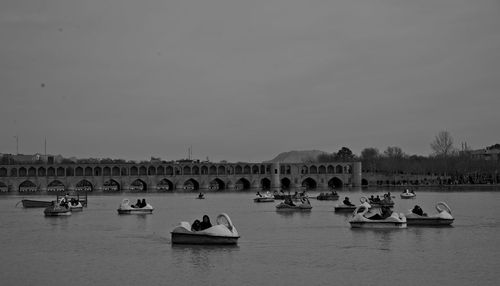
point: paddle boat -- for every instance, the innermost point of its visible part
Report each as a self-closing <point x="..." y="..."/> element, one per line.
<point x="264" y="198"/>
<point x="331" y="196"/>
<point x="363" y="218"/>
<point x="407" y="194"/>
<point x="57" y="210"/>
<point x="223" y="232"/>
<point x="288" y="205"/>
<point x="35" y="203"/>
<point x="201" y="196"/>
<point x="126" y="208"/>
<point x="442" y="218"/>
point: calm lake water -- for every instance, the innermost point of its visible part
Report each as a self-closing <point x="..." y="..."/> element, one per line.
<point x="100" y="247"/>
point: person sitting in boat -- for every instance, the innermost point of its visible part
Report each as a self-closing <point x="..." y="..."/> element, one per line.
<point x="347" y="202"/>
<point x="259" y="195"/>
<point x="200" y="196"/>
<point x="418" y="210"/>
<point x="137" y="205"/>
<point x="143" y="203"/>
<point x="196" y="226"/>
<point x="73" y="201"/>
<point x="372" y="198"/>
<point x="288" y="201"/>
<point x="205" y="223"/>
<point x="64" y="202"/>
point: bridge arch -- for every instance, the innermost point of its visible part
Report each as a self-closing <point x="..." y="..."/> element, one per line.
<point x="221" y="170"/>
<point x="160" y="171"/>
<point x="191" y="185"/>
<point x="106" y="171"/>
<point x="138" y="185"/>
<point x="238" y="170"/>
<point x="13" y="172"/>
<point x="3" y="172"/>
<point x="84" y="186"/>
<point x="242" y="184"/>
<point x="186" y="170"/>
<point x="115" y="171"/>
<point x="309" y="184"/>
<point x="330" y="169"/>
<point x="31" y="172"/>
<point x="27" y="186"/>
<point x="335" y="183"/>
<point x="217" y="185"/>
<point x="165" y="185"/>
<point x="78" y="171"/>
<point x="41" y="172"/>
<point x="70" y="172"/>
<point x="134" y="171"/>
<point x="286" y="184"/>
<point x="322" y="169"/>
<point x="364" y="182"/>
<point x="246" y="170"/>
<point x="255" y="169"/>
<point x="265" y="184"/>
<point x="97" y="171"/>
<point x="22" y="172"/>
<point x="143" y="171"/>
<point x="55" y="186"/>
<point x="111" y="186"/>
<point x="196" y="170"/>
<point x="338" y="169"/>
<point x="88" y="171"/>
<point x="212" y="170"/>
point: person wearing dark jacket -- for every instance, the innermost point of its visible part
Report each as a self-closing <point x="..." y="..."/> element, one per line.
<point x="205" y="223"/>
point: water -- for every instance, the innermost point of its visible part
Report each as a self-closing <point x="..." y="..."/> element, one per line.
<point x="100" y="247"/>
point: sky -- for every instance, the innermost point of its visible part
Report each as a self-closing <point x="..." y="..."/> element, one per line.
<point x="241" y="80"/>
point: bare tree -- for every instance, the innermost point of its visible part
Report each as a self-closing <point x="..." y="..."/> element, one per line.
<point x="443" y="144"/>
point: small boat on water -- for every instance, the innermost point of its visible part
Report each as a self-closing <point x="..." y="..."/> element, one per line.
<point x="223" y="232"/>
<point x="288" y="205"/>
<point x="331" y="196"/>
<point x="35" y="203"/>
<point x="201" y="196"/>
<point x="442" y="218"/>
<point x="57" y="210"/>
<point x="407" y="194"/>
<point x="362" y="218"/>
<point x="341" y="208"/>
<point x="264" y="198"/>
<point x="126" y="208"/>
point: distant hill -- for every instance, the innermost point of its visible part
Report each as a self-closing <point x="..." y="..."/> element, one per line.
<point x="297" y="156"/>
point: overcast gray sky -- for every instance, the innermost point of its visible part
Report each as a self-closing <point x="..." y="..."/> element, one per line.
<point x="245" y="80"/>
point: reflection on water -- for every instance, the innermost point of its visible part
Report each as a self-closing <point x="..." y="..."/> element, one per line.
<point x="301" y="247"/>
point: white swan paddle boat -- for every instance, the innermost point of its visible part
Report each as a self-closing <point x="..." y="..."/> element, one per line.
<point x="407" y="194"/>
<point x="362" y="218"/>
<point x="57" y="210"/>
<point x="264" y="198"/>
<point x="287" y="205"/>
<point x="223" y="232"/>
<point x="126" y="208"/>
<point x="442" y="218"/>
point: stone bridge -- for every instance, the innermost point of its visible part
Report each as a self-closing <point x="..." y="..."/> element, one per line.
<point x="173" y="176"/>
